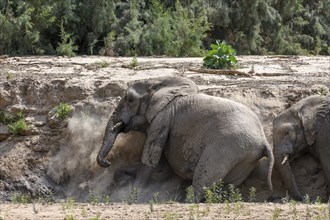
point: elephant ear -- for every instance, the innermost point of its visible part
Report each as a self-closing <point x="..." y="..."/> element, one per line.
<point x="312" y="113"/>
<point x="166" y="90"/>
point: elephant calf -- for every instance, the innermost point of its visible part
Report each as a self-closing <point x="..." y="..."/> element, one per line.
<point x="127" y="148"/>
<point x="203" y="138"/>
<point x="125" y="155"/>
<point x="304" y="127"/>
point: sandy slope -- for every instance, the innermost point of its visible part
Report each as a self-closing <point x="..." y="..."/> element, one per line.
<point x="60" y="156"/>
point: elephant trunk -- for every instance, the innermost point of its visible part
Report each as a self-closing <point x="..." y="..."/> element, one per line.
<point x="114" y="127"/>
<point x="282" y="164"/>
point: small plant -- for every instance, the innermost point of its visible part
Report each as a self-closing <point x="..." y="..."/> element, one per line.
<point x="221" y="56"/>
<point x="134" y="62"/>
<point x="97" y="217"/>
<point x="63" y="111"/>
<point x="318" y="200"/>
<point x="190" y="195"/>
<point x="84" y="212"/>
<point x="106" y="199"/>
<point x="155" y="198"/>
<point x="252" y="194"/>
<point x="170" y="216"/>
<point x="133" y="196"/>
<point x="276" y="213"/>
<point x="20" y="198"/>
<point x="238" y="207"/>
<point x="227" y="207"/>
<point x="216" y="193"/>
<point x="18" y="127"/>
<point x="192" y="211"/>
<point x="69" y="204"/>
<point x="103" y="64"/>
<point x="69" y="217"/>
<point x="6" y="118"/>
<point x="293" y="207"/>
<point x="322" y="91"/>
<point x="16" y="124"/>
<point x="66" y="46"/>
<point x="234" y="194"/>
<point x="307" y="199"/>
<point x="147" y="215"/>
<point x="94" y="197"/>
<point x="151" y="206"/>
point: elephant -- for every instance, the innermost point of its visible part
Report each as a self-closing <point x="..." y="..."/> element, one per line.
<point x="125" y="156"/>
<point x="204" y="138"/>
<point x="304" y="127"/>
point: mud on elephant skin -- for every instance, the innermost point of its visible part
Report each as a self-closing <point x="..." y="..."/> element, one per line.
<point x="203" y="138"/>
<point x="302" y="128"/>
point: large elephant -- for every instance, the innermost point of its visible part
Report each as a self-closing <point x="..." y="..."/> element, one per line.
<point x="204" y="138"/>
<point x="304" y="127"/>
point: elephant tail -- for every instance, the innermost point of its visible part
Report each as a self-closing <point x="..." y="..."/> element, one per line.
<point x="269" y="153"/>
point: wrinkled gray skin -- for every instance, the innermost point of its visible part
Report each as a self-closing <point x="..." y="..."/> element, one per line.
<point x="204" y="138"/>
<point x="304" y="127"/>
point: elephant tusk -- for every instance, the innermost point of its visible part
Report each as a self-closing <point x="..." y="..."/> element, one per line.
<point x="286" y="157"/>
<point x="119" y="124"/>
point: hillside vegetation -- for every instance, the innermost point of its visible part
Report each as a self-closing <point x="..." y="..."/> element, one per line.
<point x="163" y="27"/>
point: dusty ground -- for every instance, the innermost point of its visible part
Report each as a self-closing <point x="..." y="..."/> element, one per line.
<point x="55" y="159"/>
<point x="166" y="211"/>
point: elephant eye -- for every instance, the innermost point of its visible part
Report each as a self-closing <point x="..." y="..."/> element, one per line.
<point x="130" y="99"/>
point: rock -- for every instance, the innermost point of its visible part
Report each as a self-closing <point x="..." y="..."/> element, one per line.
<point x="22" y="108"/>
<point x="110" y="89"/>
<point x="4" y="132"/>
<point x="5" y="98"/>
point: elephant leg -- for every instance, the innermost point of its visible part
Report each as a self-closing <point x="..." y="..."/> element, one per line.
<point x="322" y="147"/>
<point x="212" y="167"/>
<point x="240" y="172"/>
<point x="143" y="175"/>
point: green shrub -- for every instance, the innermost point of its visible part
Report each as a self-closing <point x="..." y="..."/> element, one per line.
<point x="66" y="46"/>
<point x="102" y="64"/>
<point x="252" y="194"/>
<point x="134" y="62"/>
<point x="216" y="193"/>
<point x="190" y="195"/>
<point x="19" y="198"/>
<point x="133" y="196"/>
<point x="63" y="111"/>
<point x="18" y="127"/>
<point x="221" y="56"/>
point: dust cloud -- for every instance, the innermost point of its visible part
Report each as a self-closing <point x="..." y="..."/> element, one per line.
<point x="76" y="173"/>
<point x="74" y="167"/>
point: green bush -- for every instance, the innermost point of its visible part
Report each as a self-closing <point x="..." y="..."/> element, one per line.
<point x="63" y="111"/>
<point x="221" y="56"/>
<point x="16" y="124"/>
<point x="17" y="127"/>
<point x="216" y="193"/>
<point x="66" y="46"/>
<point x="190" y="195"/>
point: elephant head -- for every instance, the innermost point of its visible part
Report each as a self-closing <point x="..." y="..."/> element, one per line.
<point x="140" y="105"/>
<point x="293" y="131"/>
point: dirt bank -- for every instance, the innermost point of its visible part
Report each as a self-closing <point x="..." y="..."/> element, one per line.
<point x="57" y="157"/>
